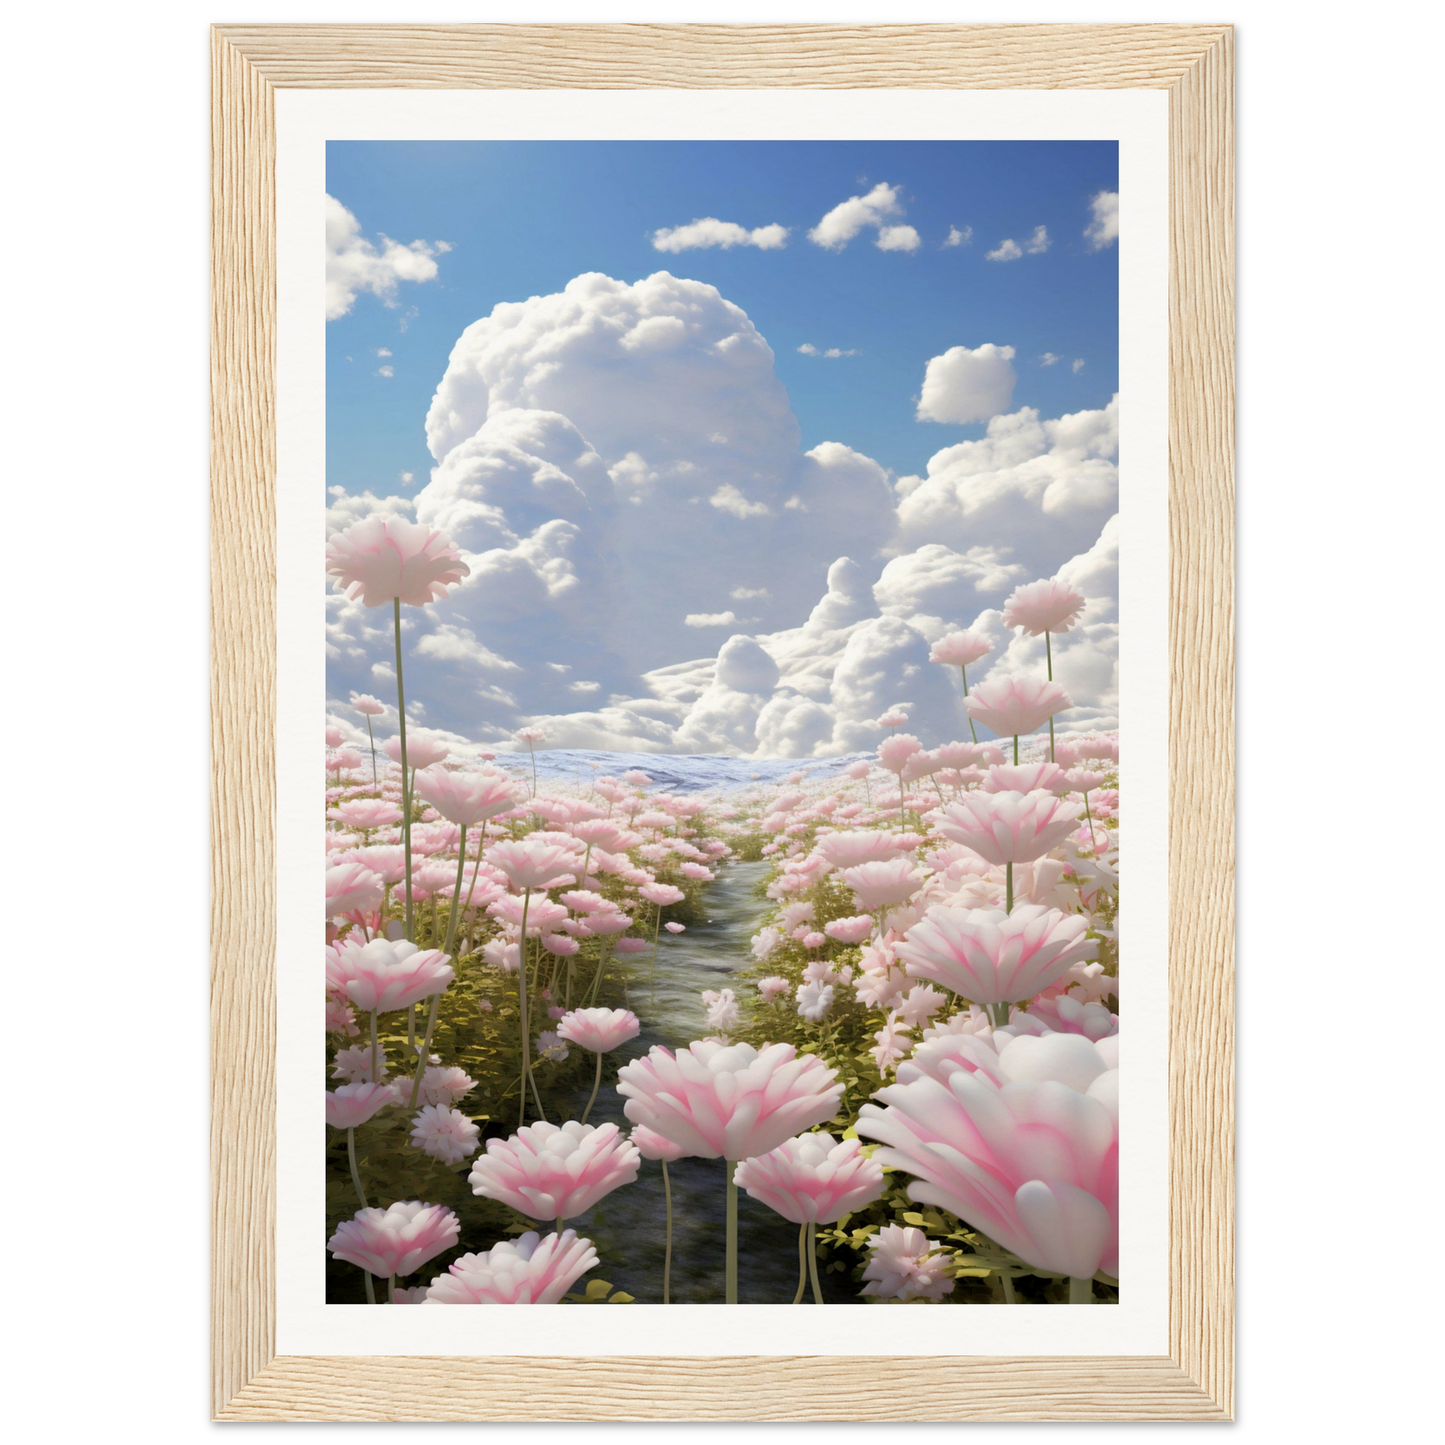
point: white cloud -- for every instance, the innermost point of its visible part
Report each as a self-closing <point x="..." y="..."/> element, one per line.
<point x="965" y="386"/>
<point x="406" y="478"/>
<point x="958" y="236"/>
<point x="1077" y="365"/>
<point x="387" y="371"/>
<point x="1103" y="230"/>
<point x="849" y="217"/>
<point x="1038" y="243"/>
<point x="1050" y="358"/>
<point x="709" y="232"/>
<point x="831" y="354"/>
<point x="898" y="238"/>
<point x="728" y="499"/>
<point x="808" y="349"/>
<point x="383" y="351"/>
<point x="1008" y="250"/>
<point x="355" y="264"/>
<point x="551" y="430"/>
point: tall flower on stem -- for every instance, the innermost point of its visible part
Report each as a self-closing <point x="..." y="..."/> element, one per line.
<point x="729" y="1101"/>
<point x="659" y="895"/>
<point x="1044" y="607"/>
<point x="399" y="1240"/>
<point x="652" y="1145"/>
<point x="531" y="736"/>
<point x="958" y="649"/>
<point x="1015" y="705"/>
<point x="370" y="707"/>
<point x="383" y="559"/>
<point x="599" y="1031"/>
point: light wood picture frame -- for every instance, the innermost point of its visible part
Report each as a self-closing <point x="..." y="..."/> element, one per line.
<point x="1193" y="63"/>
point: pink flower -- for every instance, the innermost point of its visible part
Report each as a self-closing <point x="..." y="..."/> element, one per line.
<point x="814" y="999"/>
<point x="560" y="945"/>
<point x="850" y="850"/>
<point x="1014" y="705"/>
<point x="850" y="930"/>
<point x="894" y="752"/>
<point x="365" y="813"/>
<point x="445" y="1134"/>
<point x="652" y="1145"/>
<point x="988" y="956"/>
<point x="367" y="705"/>
<point x="354" y="1065"/>
<point x="773" y="987"/>
<point x="352" y="887"/>
<point x="728" y="1101"/>
<point x="354" y="1104"/>
<point x="465" y="798"/>
<point x="445" y="1085"/>
<point x="813" y="1179"/>
<point x="528" y="1270"/>
<point x="722" y="1009"/>
<point x="414" y="1296"/>
<point x="386" y="860"/>
<point x="423" y="748"/>
<point x="387" y="975"/>
<point x="550" y="1171"/>
<point x="1026" y="778"/>
<point x="857" y="771"/>
<point x="1038" y="607"/>
<point x="895" y="718"/>
<point x="599" y="1030"/>
<point x="1008" y="827"/>
<point x="904" y="1264"/>
<point x="1032" y="1162"/>
<point x="881" y="885"/>
<point x="661" y="894"/>
<point x="380" y="558"/>
<point x="959" y="649"/>
<point x="398" y="1240"/>
<point x="632" y="945"/>
<point x="675" y="927"/>
<point x="530" y="864"/>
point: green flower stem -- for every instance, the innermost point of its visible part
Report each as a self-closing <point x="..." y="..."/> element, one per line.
<point x="1090" y="817"/>
<point x="802" y="1263"/>
<point x="559" y="1224"/>
<point x="1009" y="1297"/>
<point x="522" y="1005"/>
<point x="425" y="1050"/>
<point x="667" y="1245"/>
<point x="652" y="972"/>
<point x="1081" y="1291"/>
<point x="405" y="775"/>
<point x="391" y="1289"/>
<point x="1049" y="650"/>
<point x="972" y="731"/>
<point x="1016" y="750"/>
<point x="375" y="785"/>
<point x="1008" y="886"/>
<point x="355" y="1172"/>
<point x="596" y="1085"/>
<point x="375" y="1052"/>
<point x="731" y="1265"/>
<point x="998" y="1014"/>
<point x="813" y="1263"/>
<point x="456" y="894"/>
<point x="370" y="1289"/>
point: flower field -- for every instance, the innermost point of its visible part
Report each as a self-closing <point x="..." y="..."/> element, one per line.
<point x="899" y="1084"/>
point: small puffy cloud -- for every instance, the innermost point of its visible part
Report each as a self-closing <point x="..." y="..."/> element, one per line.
<point x="450" y="643"/>
<point x="710" y="619"/>
<point x="584" y="687"/>
<point x="832" y="353"/>
<point x="1103" y="230"/>
<point x="747" y="594"/>
<point x="729" y="499"/>
<point x="386" y="371"/>
<point x="849" y="217"/>
<point x="965" y="386"/>
<point x="383" y="351"/>
<point x="708" y="232"/>
<point x="1050" y="358"/>
<point x="1008" y="250"/>
<point x="355" y="264"/>
<point x="1077" y="366"/>
<point x="1038" y="243"/>
<point x="958" y="236"/>
<point x="808" y="349"/>
<point x="406" y="478"/>
<point x="898" y="238"/>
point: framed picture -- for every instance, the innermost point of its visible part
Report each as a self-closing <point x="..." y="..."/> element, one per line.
<point x="774" y="492"/>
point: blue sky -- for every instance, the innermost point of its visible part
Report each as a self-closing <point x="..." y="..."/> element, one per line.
<point x="684" y="533"/>
<point x="523" y="218"/>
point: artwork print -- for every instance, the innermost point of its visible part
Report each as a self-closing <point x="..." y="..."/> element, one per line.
<point x="721" y="774"/>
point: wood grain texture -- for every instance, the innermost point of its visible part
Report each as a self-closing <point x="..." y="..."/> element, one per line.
<point x="252" y="1383"/>
<point x="1201" y="731"/>
<point x="243" y="720"/>
<point x="750" y="1388"/>
<point x="697" y="57"/>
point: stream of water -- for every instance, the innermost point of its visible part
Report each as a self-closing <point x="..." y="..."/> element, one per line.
<point x="628" y="1226"/>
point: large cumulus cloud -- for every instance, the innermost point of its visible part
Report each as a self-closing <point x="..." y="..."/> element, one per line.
<point x="657" y="565"/>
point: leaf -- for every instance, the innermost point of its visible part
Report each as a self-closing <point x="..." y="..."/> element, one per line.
<point x="914" y="1219"/>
